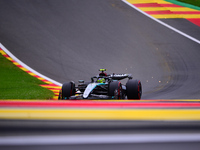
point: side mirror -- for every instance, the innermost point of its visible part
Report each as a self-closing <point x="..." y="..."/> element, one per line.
<point x="81" y="81"/>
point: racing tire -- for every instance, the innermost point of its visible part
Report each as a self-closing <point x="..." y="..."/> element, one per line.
<point x="114" y="90"/>
<point x="134" y="89"/>
<point x="68" y="89"/>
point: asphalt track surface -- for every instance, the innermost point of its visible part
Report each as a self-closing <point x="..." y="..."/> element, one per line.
<point x="71" y="40"/>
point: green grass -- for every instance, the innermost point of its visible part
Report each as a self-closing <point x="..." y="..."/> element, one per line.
<point x="192" y="2"/>
<point x="17" y="84"/>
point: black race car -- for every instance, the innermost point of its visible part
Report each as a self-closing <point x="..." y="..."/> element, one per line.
<point x="103" y="86"/>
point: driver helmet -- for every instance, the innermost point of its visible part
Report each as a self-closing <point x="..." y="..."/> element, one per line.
<point x="101" y="80"/>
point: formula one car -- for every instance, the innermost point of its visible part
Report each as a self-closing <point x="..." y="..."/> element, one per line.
<point x="103" y="86"/>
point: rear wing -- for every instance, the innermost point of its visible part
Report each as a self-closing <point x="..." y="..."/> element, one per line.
<point x="120" y="76"/>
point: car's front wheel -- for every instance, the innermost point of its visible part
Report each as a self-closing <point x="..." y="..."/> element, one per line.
<point x="68" y="89"/>
<point x="115" y="90"/>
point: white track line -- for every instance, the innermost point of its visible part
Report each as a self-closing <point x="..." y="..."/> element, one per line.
<point x="27" y="67"/>
<point x="162" y="23"/>
<point x="99" y="139"/>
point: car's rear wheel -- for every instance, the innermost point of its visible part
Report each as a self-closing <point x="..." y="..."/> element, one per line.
<point x="134" y="89"/>
<point x="68" y="89"/>
<point x="115" y="90"/>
